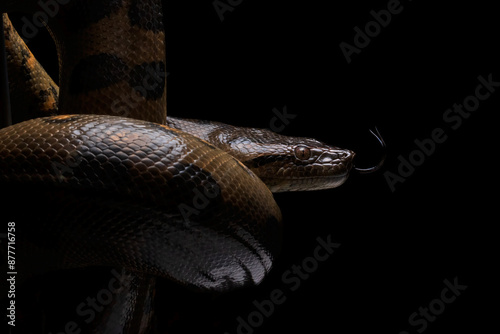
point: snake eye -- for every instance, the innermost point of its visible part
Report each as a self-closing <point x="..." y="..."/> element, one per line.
<point x="302" y="153"/>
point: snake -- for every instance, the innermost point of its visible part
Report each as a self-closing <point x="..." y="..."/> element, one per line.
<point x="115" y="182"/>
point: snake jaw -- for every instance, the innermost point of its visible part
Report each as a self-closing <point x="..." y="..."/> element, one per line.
<point x="283" y="163"/>
<point x="327" y="168"/>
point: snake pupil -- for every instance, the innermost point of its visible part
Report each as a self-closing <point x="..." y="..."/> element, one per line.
<point x="302" y="153"/>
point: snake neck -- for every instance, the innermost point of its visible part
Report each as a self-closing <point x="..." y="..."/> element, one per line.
<point x="111" y="58"/>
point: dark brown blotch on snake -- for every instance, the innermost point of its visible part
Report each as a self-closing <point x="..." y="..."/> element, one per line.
<point x="148" y="79"/>
<point x="128" y="193"/>
<point x="161" y="202"/>
<point x="97" y="72"/>
<point x="146" y="14"/>
<point x="83" y="14"/>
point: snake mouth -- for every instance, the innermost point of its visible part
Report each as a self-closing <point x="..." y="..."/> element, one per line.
<point x="329" y="171"/>
<point x="285" y="184"/>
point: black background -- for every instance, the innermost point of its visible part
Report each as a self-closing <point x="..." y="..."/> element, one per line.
<point x="397" y="247"/>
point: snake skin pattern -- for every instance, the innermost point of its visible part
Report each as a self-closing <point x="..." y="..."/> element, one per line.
<point x="186" y="210"/>
<point x="112" y="185"/>
<point x="283" y="163"/>
<point x="33" y="93"/>
<point x="269" y="155"/>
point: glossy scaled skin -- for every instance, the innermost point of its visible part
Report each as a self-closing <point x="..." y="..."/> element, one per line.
<point x="91" y="190"/>
<point x="269" y="155"/>
<point x="32" y="92"/>
<point x="283" y="163"/>
<point x="151" y="199"/>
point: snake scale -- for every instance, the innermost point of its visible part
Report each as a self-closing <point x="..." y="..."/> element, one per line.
<point x="184" y="199"/>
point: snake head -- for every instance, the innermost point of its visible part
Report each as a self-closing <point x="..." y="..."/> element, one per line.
<point x="300" y="164"/>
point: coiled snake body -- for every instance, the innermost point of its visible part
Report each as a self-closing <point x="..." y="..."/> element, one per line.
<point x="182" y="199"/>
